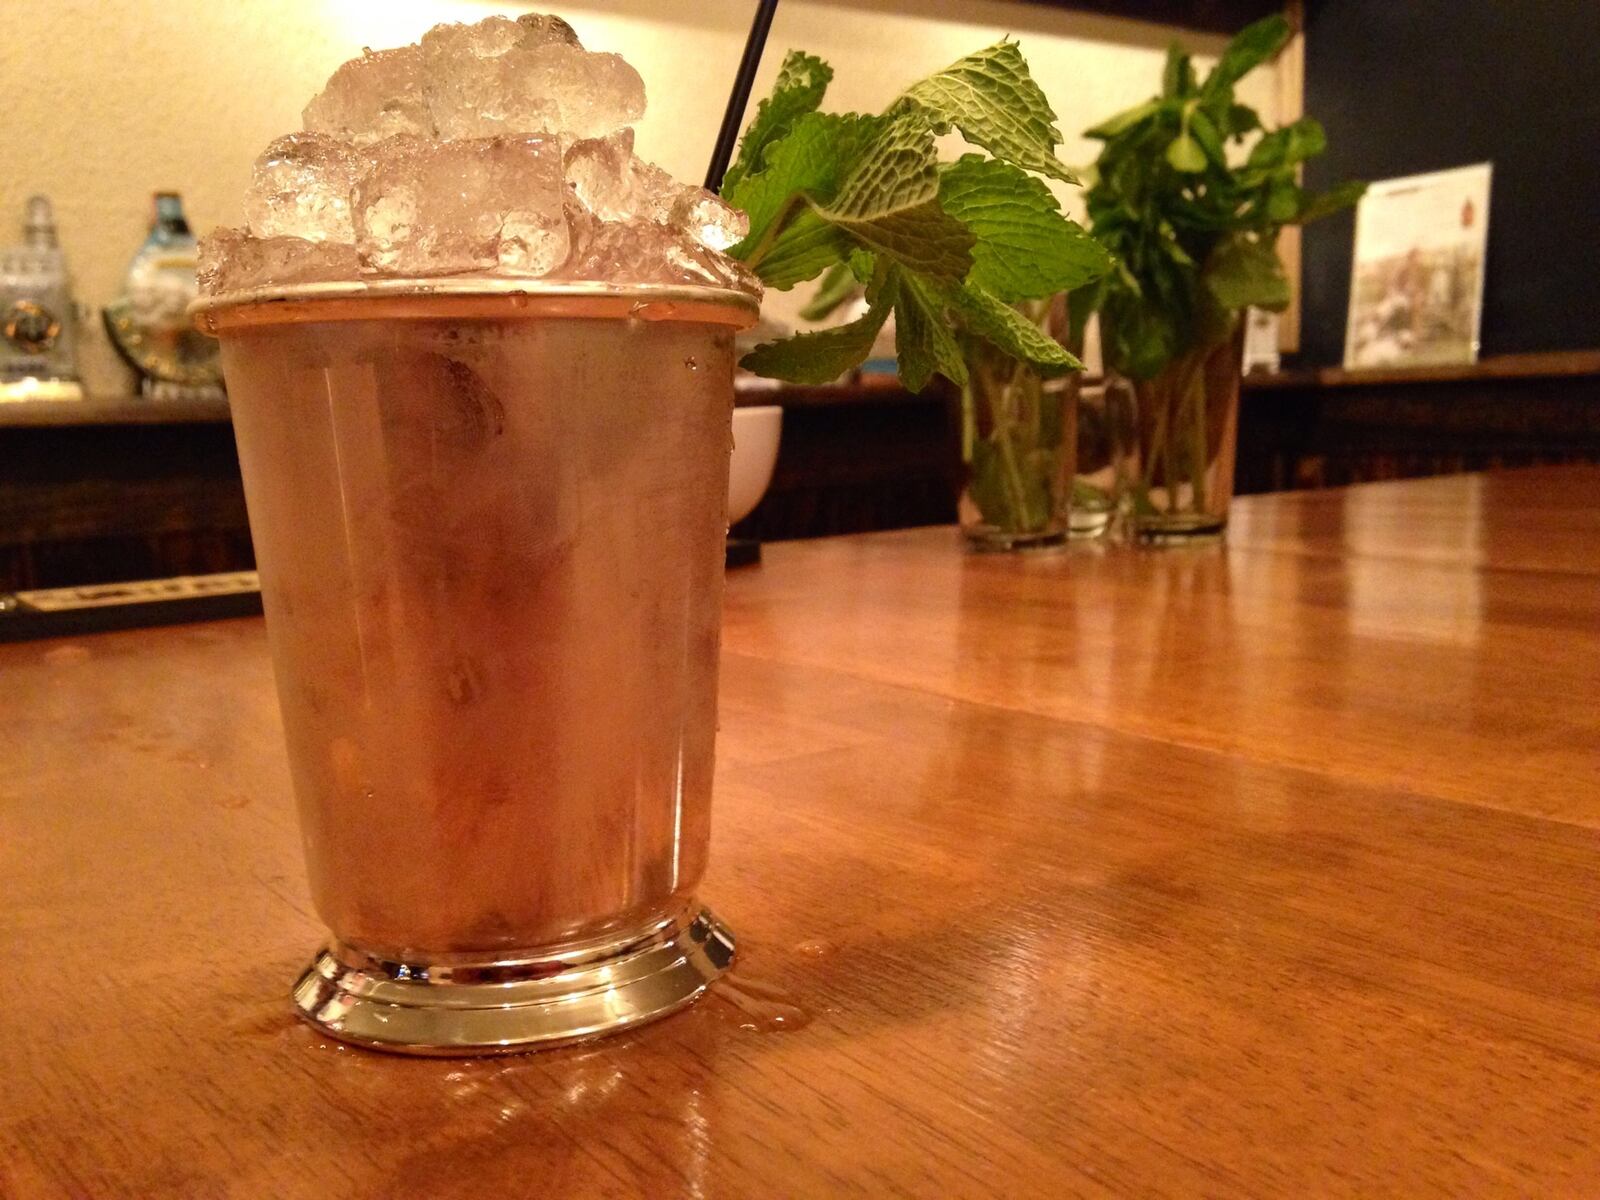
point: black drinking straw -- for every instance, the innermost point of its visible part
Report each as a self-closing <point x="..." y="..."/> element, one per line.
<point x="728" y="135"/>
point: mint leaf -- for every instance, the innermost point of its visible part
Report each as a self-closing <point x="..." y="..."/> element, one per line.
<point x="995" y="103"/>
<point x="1242" y="272"/>
<point x="1288" y="145"/>
<point x="809" y="160"/>
<point x="1014" y="488"/>
<point x="1242" y="119"/>
<point x="821" y="357"/>
<point x="1009" y="332"/>
<point x="1251" y="47"/>
<point x="1184" y="154"/>
<point x="1204" y="131"/>
<point x="1177" y="77"/>
<point x="837" y="286"/>
<point x="807" y="247"/>
<point x="890" y="203"/>
<point x="1026" y="249"/>
<point x="923" y="342"/>
<point x="1126" y="119"/>
<point x="1283" y="201"/>
<point x="1138" y="339"/>
<point x="1340" y="196"/>
<point x="801" y="82"/>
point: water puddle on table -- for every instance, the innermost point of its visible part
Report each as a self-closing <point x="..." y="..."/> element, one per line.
<point x="747" y="997"/>
<point x="755" y="1005"/>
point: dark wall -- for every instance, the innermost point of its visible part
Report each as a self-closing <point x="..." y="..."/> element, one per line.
<point x="1406" y="86"/>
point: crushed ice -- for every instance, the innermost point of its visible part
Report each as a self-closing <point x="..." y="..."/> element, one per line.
<point x="501" y="148"/>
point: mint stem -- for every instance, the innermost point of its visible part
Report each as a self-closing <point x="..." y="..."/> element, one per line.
<point x="1197" y="406"/>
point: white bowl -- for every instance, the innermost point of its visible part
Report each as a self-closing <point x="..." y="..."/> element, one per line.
<point x="755" y="450"/>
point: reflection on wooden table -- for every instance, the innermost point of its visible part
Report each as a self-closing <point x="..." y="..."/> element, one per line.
<point x="1265" y="870"/>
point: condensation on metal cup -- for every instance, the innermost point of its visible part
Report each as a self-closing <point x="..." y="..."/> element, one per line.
<point x="489" y="522"/>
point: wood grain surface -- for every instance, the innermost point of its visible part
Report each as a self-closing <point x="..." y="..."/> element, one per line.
<point x="1266" y="871"/>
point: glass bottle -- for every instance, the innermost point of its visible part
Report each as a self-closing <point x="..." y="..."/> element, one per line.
<point x="38" y="334"/>
<point x="161" y="277"/>
<point x="149" y="324"/>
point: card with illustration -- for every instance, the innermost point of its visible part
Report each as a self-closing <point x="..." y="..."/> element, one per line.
<point x="1416" y="286"/>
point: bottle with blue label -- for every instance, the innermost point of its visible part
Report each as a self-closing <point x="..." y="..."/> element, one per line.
<point x="150" y="325"/>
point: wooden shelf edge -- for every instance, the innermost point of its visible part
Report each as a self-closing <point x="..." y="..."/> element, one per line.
<point x="868" y="389"/>
<point x="111" y="410"/>
<point x="1551" y="364"/>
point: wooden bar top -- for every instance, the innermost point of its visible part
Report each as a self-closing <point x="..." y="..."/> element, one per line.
<point x="1271" y="870"/>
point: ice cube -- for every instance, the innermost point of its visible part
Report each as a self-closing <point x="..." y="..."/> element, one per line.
<point x="525" y="76"/>
<point x="591" y="94"/>
<point x="470" y="103"/>
<point x="709" y="221"/>
<point x="643" y="251"/>
<point x="541" y="28"/>
<point x="533" y="241"/>
<point x="495" y="77"/>
<point x="435" y="208"/>
<point x="467" y="92"/>
<point x="381" y="94"/>
<point x="301" y="188"/>
<point x="232" y="260"/>
<point x="615" y="184"/>
<point x="489" y="38"/>
<point x="493" y="36"/>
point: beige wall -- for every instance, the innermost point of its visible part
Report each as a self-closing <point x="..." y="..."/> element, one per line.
<point x="123" y="99"/>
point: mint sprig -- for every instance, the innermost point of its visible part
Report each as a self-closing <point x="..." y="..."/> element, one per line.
<point x="1194" y="235"/>
<point x="947" y="247"/>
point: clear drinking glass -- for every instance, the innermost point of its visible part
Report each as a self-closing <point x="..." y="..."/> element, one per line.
<point x="489" y="526"/>
<point x="1103" y="454"/>
<point x="1188" y="430"/>
<point x="1016" y="444"/>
